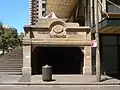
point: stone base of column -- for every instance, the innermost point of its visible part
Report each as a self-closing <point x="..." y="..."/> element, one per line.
<point x="26" y="70"/>
<point x="26" y="74"/>
<point x="87" y="71"/>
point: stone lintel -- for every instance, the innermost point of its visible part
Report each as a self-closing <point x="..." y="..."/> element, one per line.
<point x="60" y="42"/>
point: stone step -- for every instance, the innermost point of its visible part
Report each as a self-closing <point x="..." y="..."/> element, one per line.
<point x="10" y="73"/>
<point x="15" y="66"/>
<point x="13" y="71"/>
<point x="10" y="70"/>
<point x="14" y="61"/>
<point x="9" y="63"/>
<point x="12" y="64"/>
<point x="11" y="57"/>
<point x="10" y="67"/>
<point x="11" y="60"/>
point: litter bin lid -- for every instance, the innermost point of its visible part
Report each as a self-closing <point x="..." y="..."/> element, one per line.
<point x="46" y="66"/>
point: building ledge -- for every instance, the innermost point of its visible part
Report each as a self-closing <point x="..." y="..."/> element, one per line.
<point x="70" y="28"/>
<point x="109" y="25"/>
<point x="111" y="15"/>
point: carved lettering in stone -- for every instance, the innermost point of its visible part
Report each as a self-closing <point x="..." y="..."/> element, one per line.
<point x="57" y="36"/>
<point x="72" y="33"/>
<point x="43" y="32"/>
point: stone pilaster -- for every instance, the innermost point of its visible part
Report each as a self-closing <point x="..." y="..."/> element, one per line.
<point x="87" y="69"/>
<point x="26" y="59"/>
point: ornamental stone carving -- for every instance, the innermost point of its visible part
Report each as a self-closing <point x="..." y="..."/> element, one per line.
<point x="57" y="30"/>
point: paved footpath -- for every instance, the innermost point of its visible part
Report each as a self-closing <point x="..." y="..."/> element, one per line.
<point x="58" y="87"/>
<point x="62" y="82"/>
<point x="56" y="79"/>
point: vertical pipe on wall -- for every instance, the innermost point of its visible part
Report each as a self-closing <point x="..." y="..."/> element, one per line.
<point x="98" y="73"/>
<point x="104" y="5"/>
<point x="85" y="12"/>
<point x="91" y="13"/>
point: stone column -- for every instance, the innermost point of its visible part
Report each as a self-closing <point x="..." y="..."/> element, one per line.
<point x="87" y="69"/>
<point x="26" y="70"/>
<point x="26" y="59"/>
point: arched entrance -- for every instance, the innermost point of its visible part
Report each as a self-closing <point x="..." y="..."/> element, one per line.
<point x="64" y="60"/>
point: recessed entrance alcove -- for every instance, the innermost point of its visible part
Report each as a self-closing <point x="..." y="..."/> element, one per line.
<point x="63" y="45"/>
<point x="64" y="60"/>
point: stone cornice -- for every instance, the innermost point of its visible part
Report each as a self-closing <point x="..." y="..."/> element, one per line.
<point x="60" y="42"/>
<point x="78" y="29"/>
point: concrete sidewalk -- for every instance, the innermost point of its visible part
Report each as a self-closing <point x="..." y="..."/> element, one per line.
<point x="57" y="80"/>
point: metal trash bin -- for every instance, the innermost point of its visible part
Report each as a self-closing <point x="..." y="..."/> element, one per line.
<point x="47" y="73"/>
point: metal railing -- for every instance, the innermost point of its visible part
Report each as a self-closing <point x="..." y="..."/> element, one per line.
<point x="101" y="6"/>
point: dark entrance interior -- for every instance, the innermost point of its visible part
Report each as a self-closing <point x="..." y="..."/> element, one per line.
<point x="64" y="60"/>
<point x="110" y="54"/>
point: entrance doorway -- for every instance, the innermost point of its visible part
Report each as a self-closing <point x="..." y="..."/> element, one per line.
<point x="110" y="50"/>
<point x="64" y="60"/>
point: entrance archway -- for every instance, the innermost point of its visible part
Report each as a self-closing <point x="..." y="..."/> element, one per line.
<point x="64" y="60"/>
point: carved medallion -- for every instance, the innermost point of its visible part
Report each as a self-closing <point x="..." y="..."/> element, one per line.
<point x="58" y="31"/>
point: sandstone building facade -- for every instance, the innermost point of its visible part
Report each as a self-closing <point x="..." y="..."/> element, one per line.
<point x="65" y="42"/>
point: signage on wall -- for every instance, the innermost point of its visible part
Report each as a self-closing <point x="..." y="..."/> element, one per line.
<point x="93" y="43"/>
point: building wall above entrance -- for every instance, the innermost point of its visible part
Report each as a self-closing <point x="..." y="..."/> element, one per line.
<point x="56" y="31"/>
